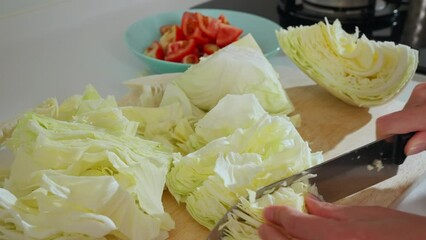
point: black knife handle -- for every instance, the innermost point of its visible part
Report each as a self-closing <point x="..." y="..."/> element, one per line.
<point x="399" y="146"/>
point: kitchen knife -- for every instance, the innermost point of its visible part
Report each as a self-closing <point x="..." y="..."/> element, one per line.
<point x="346" y="174"/>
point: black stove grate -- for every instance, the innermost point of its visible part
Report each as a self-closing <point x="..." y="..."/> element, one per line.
<point x="380" y="22"/>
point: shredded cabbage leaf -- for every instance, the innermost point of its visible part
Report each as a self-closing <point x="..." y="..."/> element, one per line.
<point x="244" y="220"/>
<point x="359" y="71"/>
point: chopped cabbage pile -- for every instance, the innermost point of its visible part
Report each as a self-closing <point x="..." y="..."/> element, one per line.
<point x="80" y="172"/>
<point x="260" y="150"/>
<point x="174" y="103"/>
<point x="234" y="134"/>
<point x="358" y="71"/>
<point x="91" y="168"/>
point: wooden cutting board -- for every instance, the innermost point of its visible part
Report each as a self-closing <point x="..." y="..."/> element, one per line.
<point x="325" y="122"/>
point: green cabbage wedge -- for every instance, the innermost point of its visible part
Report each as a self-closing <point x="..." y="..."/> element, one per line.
<point x="359" y="71"/>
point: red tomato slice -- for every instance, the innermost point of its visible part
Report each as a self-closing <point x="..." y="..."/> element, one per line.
<point x="199" y="37"/>
<point x="227" y="34"/>
<point x="210" y="48"/>
<point x="173" y="33"/>
<point x="191" y="59"/>
<point x="155" y="51"/>
<point x="189" y="23"/>
<point x="196" y="36"/>
<point x="191" y="29"/>
<point x="176" y="51"/>
<point x="208" y="25"/>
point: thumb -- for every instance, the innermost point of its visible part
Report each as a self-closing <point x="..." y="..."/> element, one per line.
<point x="416" y="144"/>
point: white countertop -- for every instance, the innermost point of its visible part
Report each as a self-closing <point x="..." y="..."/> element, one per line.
<point x="54" y="48"/>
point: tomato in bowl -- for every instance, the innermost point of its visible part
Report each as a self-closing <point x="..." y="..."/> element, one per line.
<point x="162" y="43"/>
<point x="196" y="36"/>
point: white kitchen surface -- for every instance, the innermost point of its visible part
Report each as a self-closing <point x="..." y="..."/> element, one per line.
<point x="12" y="7"/>
<point x="414" y="199"/>
<point x="55" y="48"/>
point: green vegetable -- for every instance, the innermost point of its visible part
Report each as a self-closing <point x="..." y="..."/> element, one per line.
<point x="356" y="70"/>
<point x="243" y="222"/>
<point x="210" y="134"/>
<point x="238" y="68"/>
<point x="171" y="122"/>
<point x="260" y="150"/>
<point x="168" y="106"/>
<point x="89" y="167"/>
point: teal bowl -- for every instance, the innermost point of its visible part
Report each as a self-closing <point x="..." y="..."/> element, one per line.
<point x="143" y="32"/>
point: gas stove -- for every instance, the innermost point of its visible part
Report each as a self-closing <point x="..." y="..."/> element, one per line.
<point x="377" y="20"/>
<point x="400" y="21"/>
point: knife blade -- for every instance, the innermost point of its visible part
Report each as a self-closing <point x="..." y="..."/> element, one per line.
<point x="346" y="174"/>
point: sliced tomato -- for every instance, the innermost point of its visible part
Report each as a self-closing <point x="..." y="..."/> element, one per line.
<point x="191" y="59"/>
<point x="173" y="33"/>
<point x="223" y="19"/>
<point x="176" y="51"/>
<point x="189" y="23"/>
<point x="210" y="48"/>
<point x="199" y="37"/>
<point x="227" y="34"/>
<point x="155" y="51"/>
<point x="208" y="25"/>
<point x="191" y="29"/>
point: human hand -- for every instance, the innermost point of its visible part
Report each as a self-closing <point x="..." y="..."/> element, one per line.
<point x="412" y="118"/>
<point x="333" y="222"/>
